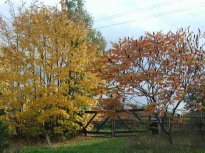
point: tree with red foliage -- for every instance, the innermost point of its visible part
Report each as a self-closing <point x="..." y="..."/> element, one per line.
<point x="164" y="68"/>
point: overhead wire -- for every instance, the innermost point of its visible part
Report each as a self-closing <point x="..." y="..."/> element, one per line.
<point x="134" y="11"/>
<point x="154" y="16"/>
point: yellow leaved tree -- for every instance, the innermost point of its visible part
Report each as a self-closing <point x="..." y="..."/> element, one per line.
<point x="46" y="70"/>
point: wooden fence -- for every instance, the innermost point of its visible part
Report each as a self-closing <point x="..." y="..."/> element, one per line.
<point x="193" y="121"/>
<point x="138" y="121"/>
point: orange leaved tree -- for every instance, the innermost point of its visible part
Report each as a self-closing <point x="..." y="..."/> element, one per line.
<point x="163" y="68"/>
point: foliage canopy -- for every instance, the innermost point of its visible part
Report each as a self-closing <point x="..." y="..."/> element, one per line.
<point x="47" y="74"/>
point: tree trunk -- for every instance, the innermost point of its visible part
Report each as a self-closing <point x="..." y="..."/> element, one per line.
<point x="170" y="138"/>
<point x="47" y="138"/>
<point x="167" y="132"/>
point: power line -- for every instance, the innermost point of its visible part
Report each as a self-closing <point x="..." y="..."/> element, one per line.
<point x="139" y="10"/>
<point x="154" y="16"/>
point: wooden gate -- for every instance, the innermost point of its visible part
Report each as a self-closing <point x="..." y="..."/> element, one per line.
<point x="116" y="119"/>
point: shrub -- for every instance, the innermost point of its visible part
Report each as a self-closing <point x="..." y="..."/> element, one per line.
<point x="3" y="136"/>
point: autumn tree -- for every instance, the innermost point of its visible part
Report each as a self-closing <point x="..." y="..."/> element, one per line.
<point x="46" y="71"/>
<point x="163" y="68"/>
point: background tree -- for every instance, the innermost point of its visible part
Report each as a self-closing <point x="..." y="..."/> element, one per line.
<point x="195" y="100"/>
<point x="47" y="73"/>
<point x="163" y="68"/>
<point x="77" y="13"/>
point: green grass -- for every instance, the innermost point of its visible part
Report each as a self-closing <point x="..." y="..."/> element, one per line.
<point x="105" y="145"/>
<point x="135" y="144"/>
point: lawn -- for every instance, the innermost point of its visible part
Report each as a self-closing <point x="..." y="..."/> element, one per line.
<point x="98" y="145"/>
<point x="141" y="144"/>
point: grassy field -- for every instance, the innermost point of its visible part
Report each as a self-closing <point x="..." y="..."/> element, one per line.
<point x="134" y="144"/>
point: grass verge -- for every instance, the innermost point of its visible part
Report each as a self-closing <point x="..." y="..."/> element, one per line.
<point x="142" y="143"/>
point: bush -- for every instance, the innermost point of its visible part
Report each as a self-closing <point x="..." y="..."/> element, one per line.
<point x="3" y="136"/>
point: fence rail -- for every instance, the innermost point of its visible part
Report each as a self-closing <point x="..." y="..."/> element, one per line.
<point x="190" y="121"/>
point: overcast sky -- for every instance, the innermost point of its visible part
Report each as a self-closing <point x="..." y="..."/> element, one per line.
<point x="122" y="18"/>
<point x="134" y="17"/>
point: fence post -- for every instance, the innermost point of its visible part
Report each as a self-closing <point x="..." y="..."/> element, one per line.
<point x="158" y="125"/>
<point x="113" y="128"/>
<point x="159" y="129"/>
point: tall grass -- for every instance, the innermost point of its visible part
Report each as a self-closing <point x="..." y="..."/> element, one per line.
<point x="193" y="142"/>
